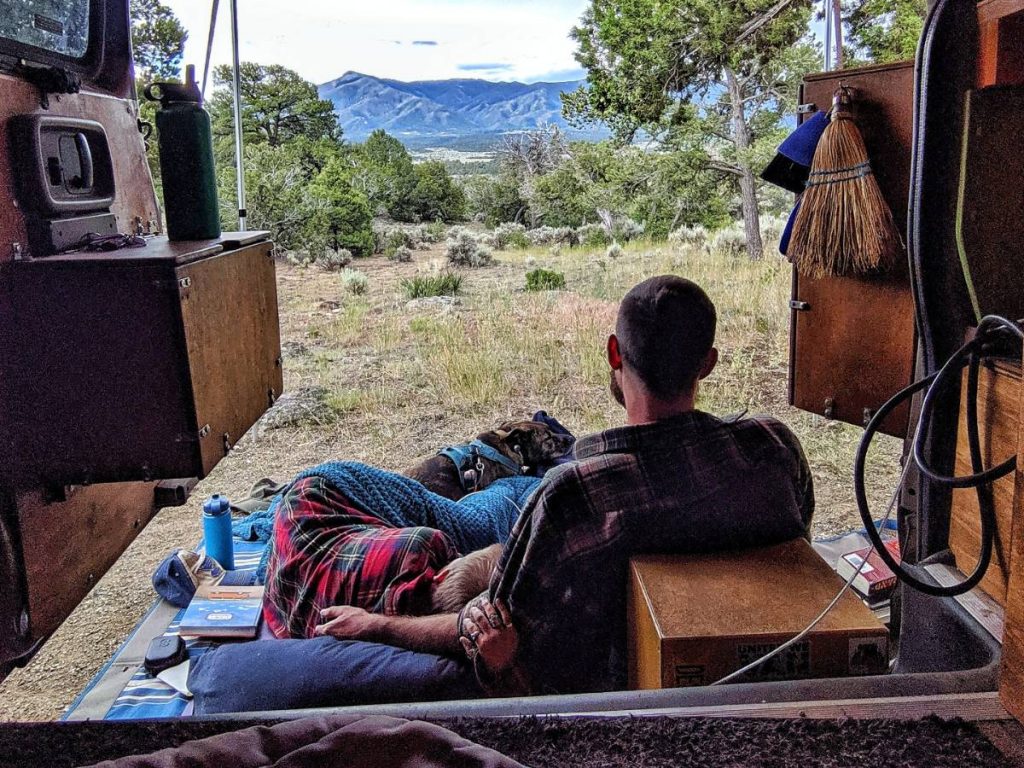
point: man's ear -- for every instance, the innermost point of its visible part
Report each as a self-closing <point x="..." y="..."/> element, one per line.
<point x="614" y="355"/>
<point x="710" y="361"/>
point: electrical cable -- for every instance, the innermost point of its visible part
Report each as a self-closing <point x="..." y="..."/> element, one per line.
<point x="828" y="609"/>
<point x="983" y="345"/>
<point x="969" y="355"/>
<point x="966" y="355"/>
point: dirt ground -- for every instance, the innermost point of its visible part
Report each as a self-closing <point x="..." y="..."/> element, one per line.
<point x="378" y="379"/>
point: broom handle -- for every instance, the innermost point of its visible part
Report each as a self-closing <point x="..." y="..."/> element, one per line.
<point x="837" y="20"/>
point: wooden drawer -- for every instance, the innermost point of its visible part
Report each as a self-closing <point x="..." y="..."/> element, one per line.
<point x="138" y="364"/>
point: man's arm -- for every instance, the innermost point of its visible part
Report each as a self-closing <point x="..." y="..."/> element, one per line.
<point x="426" y="634"/>
<point x="803" y="479"/>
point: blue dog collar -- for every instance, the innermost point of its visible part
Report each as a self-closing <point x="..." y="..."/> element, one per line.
<point x="467" y="458"/>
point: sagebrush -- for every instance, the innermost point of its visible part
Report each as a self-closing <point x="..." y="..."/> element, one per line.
<point x="464" y="250"/>
<point x="545" y="280"/>
<point x="425" y="286"/>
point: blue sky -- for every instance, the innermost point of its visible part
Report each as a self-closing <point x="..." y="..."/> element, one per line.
<point x="525" y="40"/>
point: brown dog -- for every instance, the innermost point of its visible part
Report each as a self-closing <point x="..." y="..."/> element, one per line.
<point x="524" y="445"/>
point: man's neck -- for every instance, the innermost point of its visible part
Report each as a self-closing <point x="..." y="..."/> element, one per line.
<point x="650" y="415"/>
<point x="645" y="410"/>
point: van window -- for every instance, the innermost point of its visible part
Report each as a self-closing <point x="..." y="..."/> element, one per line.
<point x="58" y="26"/>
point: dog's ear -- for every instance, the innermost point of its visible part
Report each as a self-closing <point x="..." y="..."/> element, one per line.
<point x="509" y="428"/>
<point x="521" y="436"/>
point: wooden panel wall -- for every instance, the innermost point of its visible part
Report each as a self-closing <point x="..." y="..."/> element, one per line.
<point x="68" y="545"/>
<point x="1001" y="62"/>
<point x="999" y="419"/>
<point x="1011" y="681"/>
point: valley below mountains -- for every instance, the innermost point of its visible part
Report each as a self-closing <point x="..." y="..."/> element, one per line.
<point x="465" y="114"/>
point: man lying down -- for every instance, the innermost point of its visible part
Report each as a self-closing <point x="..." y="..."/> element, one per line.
<point x="673" y="480"/>
<point x="347" y="533"/>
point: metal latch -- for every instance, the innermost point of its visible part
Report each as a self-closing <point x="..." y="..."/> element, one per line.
<point x="806" y="109"/>
<point x="799" y="306"/>
<point x="829" y="411"/>
<point x="176" y="285"/>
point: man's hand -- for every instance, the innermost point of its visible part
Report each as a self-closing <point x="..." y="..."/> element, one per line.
<point x="347" y="622"/>
<point x="489" y="634"/>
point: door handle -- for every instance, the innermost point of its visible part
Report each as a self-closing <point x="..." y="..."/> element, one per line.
<point x="85" y="180"/>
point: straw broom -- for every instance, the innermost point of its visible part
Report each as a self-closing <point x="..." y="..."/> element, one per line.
<point x="844" y="225"/>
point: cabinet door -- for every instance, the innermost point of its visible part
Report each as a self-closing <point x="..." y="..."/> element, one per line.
<point x="229" y="313"/>
<point x="93" y="380"/>
<point x="852" y="339"/>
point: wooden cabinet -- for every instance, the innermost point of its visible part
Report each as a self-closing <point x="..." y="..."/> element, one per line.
<point x="1001" y="63"/>
<point x="1001" y="49"/>
<point x="137" y="364"/>
<point x="852" y="338"/>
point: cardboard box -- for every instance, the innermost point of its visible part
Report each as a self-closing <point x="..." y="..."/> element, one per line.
<point x="693" y="619"/>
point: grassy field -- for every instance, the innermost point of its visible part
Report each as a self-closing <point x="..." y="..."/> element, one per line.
<point x="371" y="377"/>
<point x="412" y="378"/>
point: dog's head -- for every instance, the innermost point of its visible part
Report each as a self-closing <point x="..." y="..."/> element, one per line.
<point x="531" y="443"/>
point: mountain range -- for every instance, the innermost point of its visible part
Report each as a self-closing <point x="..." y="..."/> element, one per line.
<point x="444" y="112"/>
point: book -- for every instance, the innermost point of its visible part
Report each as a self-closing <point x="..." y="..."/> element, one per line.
<point x="223" y="612"/>
<point x="875" y="580"/>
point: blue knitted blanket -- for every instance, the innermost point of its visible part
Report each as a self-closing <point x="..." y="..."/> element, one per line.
<point x="476" y="521"/>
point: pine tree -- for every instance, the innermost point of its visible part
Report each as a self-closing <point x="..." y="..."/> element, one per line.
<point x="725" y="70"/>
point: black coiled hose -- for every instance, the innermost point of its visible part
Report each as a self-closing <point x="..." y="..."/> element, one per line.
<point x="991" y="336"/>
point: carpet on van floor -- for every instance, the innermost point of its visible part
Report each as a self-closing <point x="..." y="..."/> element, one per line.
<point x="586" y="743"/>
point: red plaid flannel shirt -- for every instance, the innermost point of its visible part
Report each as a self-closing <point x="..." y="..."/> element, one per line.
<point x="693" y="483"/>
<point x="325" y="552"/>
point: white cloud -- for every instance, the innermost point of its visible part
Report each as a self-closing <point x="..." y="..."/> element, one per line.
<point x="322" y="39"/>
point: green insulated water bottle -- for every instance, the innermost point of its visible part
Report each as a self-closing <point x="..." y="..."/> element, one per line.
<point x="186" y="160"/>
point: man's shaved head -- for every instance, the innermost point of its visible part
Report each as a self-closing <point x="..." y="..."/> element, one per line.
<point x="665" y="330"/>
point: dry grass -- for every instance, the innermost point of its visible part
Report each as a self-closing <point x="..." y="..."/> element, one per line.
<point x="395" y="384"/>
<point x="416" y="379"/>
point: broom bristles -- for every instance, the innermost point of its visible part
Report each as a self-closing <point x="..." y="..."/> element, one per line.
<point x="844" y="225"/>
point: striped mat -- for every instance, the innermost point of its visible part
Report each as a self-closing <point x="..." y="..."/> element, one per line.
<point x="144" y="696"/>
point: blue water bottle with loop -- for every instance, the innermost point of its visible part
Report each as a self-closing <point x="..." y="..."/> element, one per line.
<point x="217" y="531"/>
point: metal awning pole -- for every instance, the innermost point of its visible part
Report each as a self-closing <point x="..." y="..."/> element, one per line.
<point x="237" y="94"/>
<point x="828" y="35"/>
<point x="837" y="19"/>
<point x="209" y="43"/>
